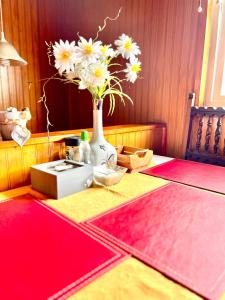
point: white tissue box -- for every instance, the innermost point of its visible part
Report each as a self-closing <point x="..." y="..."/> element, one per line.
<point x="46" y="179"/>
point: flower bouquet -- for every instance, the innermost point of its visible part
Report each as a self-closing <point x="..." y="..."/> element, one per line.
<point x="92" y="65"/>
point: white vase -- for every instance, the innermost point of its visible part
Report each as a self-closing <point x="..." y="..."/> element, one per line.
<point x="101" y="151"/>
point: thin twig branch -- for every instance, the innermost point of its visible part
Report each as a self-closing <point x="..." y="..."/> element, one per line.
<point x="43" y="99"/>
<point x="100" y="29"/>
<point x="78" y="34"/>
<point x="49" y="52"/>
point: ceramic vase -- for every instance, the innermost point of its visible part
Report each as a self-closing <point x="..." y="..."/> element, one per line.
<point x="101" y="151"/>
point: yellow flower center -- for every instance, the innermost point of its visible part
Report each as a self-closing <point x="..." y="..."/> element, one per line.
<point x="88" y="49"/>
<point x="128" y="45"/>
<point x="103" y="49"/>
<point x="98" y="73"/>
<point x="135" y="68"/>
<point x="65" y="55"/>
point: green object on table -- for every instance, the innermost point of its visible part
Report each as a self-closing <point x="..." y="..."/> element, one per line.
<point x="84" y="135"/>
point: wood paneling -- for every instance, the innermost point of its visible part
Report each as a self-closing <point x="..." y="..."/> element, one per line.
<point x="169" y="32"/>
<point x="15" y="161"/>
<point x="20" y="87"/>
<point x="171" y="36"/>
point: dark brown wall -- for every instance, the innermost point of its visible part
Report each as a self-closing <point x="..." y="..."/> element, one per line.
<point x="170" y="34"/>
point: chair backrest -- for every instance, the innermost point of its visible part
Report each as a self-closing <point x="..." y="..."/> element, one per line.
<point x="206" y="135"/>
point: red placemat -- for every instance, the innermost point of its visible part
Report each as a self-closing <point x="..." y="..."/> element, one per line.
<point x="44" y="255"/>
<point x="196" y="174"/>
<point x="178" y="230"/>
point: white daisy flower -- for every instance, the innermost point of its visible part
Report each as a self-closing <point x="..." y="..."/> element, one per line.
<point x="76" y="73"/>
<point x="133" y="68"/>
<point x="88" y="50"/>
<point x="82" y="85"/>
<point x="106" y="51"/>
<point x="64" y="56"/>
<point x="126" y="47"/>
<point x="95" y="75"/>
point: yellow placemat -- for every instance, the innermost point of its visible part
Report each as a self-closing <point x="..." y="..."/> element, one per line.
<point x="93" y="201"/>
<point x="133" y="280"/>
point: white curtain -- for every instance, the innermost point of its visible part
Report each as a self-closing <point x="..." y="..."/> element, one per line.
<point x="215" y="83"/>
<point x="223" y="82"/>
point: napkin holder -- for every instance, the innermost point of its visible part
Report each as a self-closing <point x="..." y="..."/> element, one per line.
<point x="132" y="158"/>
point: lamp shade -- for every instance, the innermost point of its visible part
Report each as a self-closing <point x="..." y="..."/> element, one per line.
<point x="9" y="56"/>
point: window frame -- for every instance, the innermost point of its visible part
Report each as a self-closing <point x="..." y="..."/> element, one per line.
<point x="216" y="63"/>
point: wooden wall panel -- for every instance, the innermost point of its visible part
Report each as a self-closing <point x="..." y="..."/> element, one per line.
<point x="169" y="32"/>
<point x="20" y="86"/>
<point x="171" y="36"/>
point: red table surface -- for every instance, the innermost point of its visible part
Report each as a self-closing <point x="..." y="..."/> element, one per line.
<point x="196" y="174"/>
<point x="45" y="256"/>
<point x="178" y="230"/>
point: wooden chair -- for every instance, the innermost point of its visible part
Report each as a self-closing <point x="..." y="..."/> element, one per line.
<point x="206" y="135"/>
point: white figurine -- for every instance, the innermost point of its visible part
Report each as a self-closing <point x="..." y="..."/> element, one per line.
<point x="15" y="125"/>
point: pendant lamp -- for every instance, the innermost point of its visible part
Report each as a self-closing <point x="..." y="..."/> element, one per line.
<point x="8" y="54"/>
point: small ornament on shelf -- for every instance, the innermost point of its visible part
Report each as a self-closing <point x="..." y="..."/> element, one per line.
<point x="13" y="125"/>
